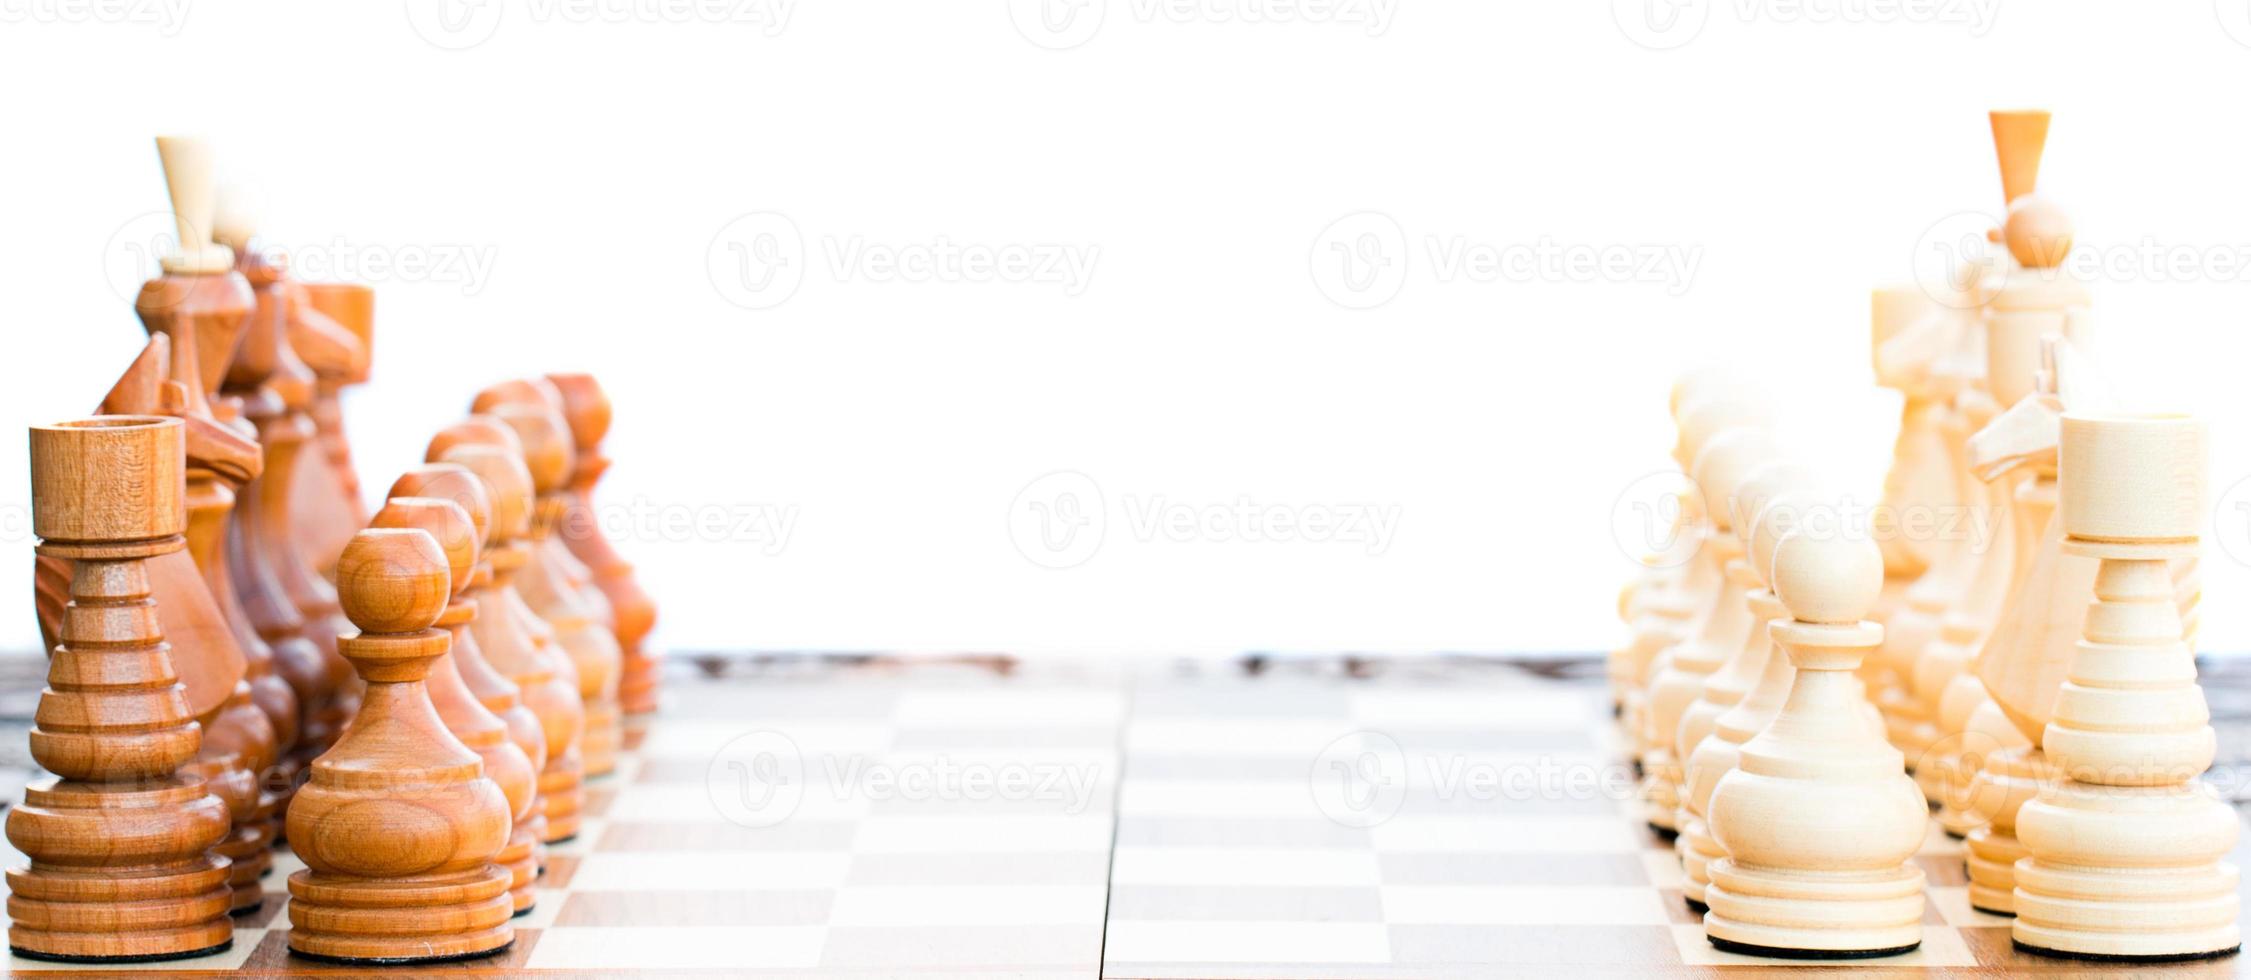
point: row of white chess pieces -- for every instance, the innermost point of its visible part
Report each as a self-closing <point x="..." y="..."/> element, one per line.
<point x="1799" y="691"/>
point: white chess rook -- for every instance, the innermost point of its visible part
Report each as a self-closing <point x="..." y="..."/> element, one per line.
<point x="2126" y="852"/>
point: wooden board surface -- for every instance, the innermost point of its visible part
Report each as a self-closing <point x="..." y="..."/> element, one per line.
<point x="1439" y="818"/>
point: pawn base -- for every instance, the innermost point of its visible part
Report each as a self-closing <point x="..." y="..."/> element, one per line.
<point x="1696" y="849"/>
<point x="520" y="859"/>
<point x="637" y="683"/>
<point x="2124" y="958"/>
<point x="1833" y="915"/>
<point x="415" y="920"/>
<point x="561" y="794"/>
<point x="1991" y="855"/>
<point x="99" y="917"/>
<point x="400" y="961"/>
<point x="598" y="744"/>
<point x="1786" y="952"/>
<point x="44" y="957"/>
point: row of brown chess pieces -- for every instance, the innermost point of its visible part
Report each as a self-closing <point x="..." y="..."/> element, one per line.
<point x="201" y="576"/>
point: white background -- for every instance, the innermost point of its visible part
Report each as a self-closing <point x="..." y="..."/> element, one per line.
<point x="599" y="163"/>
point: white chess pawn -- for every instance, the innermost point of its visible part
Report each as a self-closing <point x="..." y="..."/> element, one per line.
<point x="1819" y="820"/>
<point x="1743" y="696"/>
<point x="2126" y="853"/>
<point x="1719" y="468"/>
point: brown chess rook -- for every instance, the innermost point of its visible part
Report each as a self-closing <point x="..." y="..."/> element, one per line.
<point x="119" y="837"/>
<point x="512" y="638"/>
<point x="399" y="825"/>
<point x="506" y="762"/>
<point x="632" y="614"/>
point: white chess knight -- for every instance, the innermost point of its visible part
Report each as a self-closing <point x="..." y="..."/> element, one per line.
<point x="1819" y="820"/>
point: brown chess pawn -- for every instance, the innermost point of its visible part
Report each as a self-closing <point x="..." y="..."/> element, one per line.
<point x="494" y="690"/>
<point x="399" y="825"/>
<point x="545" y="586"/>
<point x="632" y="614"/>
<point x="294" y="609"/>
<point x="545" y="677"/>
<point x="119" y="838"/>
<point x="477" y="727"/>
<point x="329" y="325"/>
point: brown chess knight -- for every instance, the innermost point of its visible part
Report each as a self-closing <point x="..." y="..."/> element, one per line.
<point x="230" y="683"/>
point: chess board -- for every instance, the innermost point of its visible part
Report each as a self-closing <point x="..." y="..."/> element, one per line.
<point x="1435" y="818"/>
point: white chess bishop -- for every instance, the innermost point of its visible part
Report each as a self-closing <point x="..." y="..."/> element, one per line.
<point x="1819" y="819"/>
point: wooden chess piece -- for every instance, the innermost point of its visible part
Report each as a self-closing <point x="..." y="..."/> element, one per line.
<point x="2025" y="297"/>
<point x="295" y="610"/>
<point x="1819" y="819"/>
<point x="1698" y="585"/>
<point x="1723" y="463"/>
<point x="2034" y="302"/>
<point x="546" y="678"/>
<point x="329" y="326"/>
<point x="399" y="825"/>
<point x="582" y="637"/>
<point x="119" y="837"/>
<point x="2023" y="667"/>
<point x="1654" y="606"/>
<point x="202" y="305"/>
<point x="498" y="694"/>
<point x="198" y="292"/>
<point x="1728" y="688"/>
<point x="632" y="613"/>
<point x="2126" y="854"/>
<point x="465" y="716"/>
<point x="238" y="742"/>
